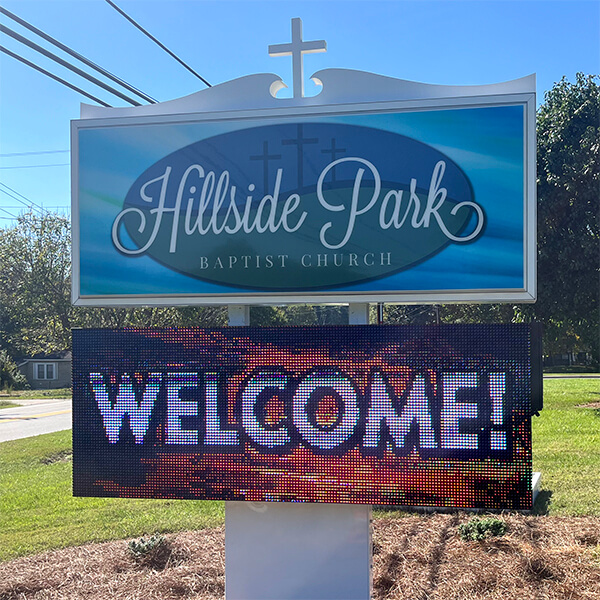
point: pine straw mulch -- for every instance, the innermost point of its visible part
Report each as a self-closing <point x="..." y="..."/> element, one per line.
<point x="419" y="557"/>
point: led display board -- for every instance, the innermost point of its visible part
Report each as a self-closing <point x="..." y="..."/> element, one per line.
<point x="400" y="415"/>
<point x="379" y="202"/>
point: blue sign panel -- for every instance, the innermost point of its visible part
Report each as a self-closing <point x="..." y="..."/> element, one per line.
<point x="372" y="205"/>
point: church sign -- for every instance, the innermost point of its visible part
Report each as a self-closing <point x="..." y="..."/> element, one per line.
<point x="374" y="190"/>
<point x="302" y="201"/>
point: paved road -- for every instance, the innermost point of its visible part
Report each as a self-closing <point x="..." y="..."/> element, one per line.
<point x="34" y="418"/>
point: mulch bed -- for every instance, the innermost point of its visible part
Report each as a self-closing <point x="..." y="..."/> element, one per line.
<point x="418" y="557"/>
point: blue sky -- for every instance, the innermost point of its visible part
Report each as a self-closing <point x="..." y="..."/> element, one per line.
<point x="446" y="42"/>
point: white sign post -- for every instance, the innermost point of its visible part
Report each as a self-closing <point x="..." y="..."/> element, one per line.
<point x="297" y="551"/>
<point x="289" y="551"/>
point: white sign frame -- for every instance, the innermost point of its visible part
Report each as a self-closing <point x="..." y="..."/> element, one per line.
<point x="413" y="97"/>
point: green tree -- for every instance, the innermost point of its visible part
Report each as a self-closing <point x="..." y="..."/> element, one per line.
<point x="35" y="282"/>
<point x="568" y="192"/>
<point x="36" y="314"/>
<point x="568" y="189"/>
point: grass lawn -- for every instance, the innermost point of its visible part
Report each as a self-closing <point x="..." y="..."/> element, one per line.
<point x="7" y="404"/>
<point x="37" y="511"/>
<point x="29" y="394"/>
<point x="566" y="447"/>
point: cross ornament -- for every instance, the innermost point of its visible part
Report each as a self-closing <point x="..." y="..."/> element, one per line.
<point x="297" y="49"/>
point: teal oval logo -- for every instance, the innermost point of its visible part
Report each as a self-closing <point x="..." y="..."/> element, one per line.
<point x="298" y="207"/>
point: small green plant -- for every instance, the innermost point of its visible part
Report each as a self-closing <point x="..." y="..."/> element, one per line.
<point x="478" y="529"/>
<point x="144" y="548"/>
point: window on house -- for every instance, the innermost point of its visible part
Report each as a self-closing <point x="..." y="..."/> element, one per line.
<point x="45" y="370"/>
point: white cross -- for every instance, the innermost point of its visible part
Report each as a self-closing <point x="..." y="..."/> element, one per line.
<point x="297" y="48"/>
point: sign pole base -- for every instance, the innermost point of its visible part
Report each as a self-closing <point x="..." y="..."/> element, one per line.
<point x="535" y="486"/>
<point x="287" y="551"/>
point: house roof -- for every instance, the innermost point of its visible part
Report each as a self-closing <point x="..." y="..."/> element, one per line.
<point x="52" y="356"/>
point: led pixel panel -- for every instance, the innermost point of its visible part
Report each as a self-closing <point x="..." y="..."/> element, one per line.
<point x="397" y="415"/>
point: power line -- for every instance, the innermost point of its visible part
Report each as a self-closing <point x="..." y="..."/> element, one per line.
<point x="20" y="195"/>
<point x="156" y="41"/>
<point x="36" y="166"/>
<point x="29" y="204"/>
<point x="8" y="213"/>
<point x="53" y="76"/>
<point x="76" y="55"/>
<point x="67" y="65"/>
<point x="65" y="208"/>
<point x="11" y="207"/>
<point x="9" y="154"/>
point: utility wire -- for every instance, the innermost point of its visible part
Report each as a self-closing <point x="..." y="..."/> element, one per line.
<point x="8" y="213"/>
<point x="10" y="154"/>
<point x="36" y="166"/>
<point x="53" y="76"/>
<point x="28" y="206"/>
<point x="15" y="196"/>
<point x="64" y="208"/>
<point x="20" y="195"/>
<point x="156" y="41"/>
<point x="64" y="63"/>
<point x="76" y="55"/>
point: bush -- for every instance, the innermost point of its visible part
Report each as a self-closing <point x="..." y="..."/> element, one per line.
<point x="478" y="529"/>
<point x="10" y="376"/>
<point x="153" y="552"/>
